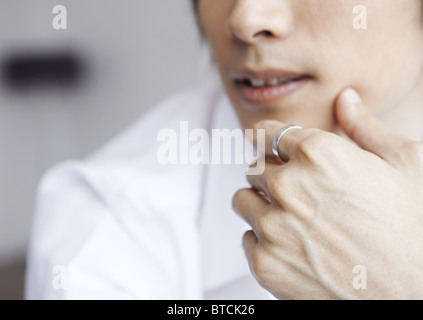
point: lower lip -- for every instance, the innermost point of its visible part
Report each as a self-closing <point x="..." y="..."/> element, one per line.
<point x="269" y="94"/>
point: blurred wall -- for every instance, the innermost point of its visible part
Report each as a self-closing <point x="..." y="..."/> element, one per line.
<point x="135" y="52"/>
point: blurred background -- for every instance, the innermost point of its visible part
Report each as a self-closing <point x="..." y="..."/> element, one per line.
<point x="63" y="93"/>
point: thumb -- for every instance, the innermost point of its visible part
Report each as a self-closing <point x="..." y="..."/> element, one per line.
<point x="364" y="129"/>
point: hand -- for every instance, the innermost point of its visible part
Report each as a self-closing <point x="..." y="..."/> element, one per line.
<point x="335" y="208"/>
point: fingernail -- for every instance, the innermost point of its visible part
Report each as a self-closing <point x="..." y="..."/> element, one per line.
<point x="350" y="100"/>
<point x="352" y="96"/>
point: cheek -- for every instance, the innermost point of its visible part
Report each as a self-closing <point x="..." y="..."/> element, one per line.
<point x="213" y="16"/>
<point x="383" y="62"/>
<point x="213" y="19"/>
<point x="390" y="67"/>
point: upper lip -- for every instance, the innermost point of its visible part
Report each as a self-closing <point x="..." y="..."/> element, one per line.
<point x="267" y="75"/>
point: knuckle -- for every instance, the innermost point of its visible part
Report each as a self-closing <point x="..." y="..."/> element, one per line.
<point x="248" y="237"/>
<point x="277" y="182"/>
<point x="265" y="223"/>
<point x="237" y="195"/>
<point x="259" y="263"/>
<point x="312" y="146"/>
<point x="282" y="186"/>
<point x="238" y="199"/>
<point x="249" y="241"/>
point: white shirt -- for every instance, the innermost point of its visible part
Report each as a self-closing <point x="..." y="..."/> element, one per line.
<point x="120" y="225"/>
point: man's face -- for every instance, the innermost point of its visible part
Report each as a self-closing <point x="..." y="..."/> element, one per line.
<point x="289" y="59"/>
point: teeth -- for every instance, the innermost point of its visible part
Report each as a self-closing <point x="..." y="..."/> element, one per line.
<point x="283" y="81"/>
<point x="273" y="82"/>
<point x="258" y="83"/>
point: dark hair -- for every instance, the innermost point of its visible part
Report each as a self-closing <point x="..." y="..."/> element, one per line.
<point x="195" y="9"/>
<point x="195" y="5"/>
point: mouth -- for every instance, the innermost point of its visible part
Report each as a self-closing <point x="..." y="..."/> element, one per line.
<point x="262" y="88"/>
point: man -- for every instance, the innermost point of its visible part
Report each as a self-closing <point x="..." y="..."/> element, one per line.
<point x="339" y="196"/>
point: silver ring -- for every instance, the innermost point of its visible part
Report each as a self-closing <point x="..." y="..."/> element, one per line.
<point x="278" y="137"/>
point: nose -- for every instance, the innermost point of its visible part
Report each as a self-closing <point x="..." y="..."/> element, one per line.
<point x="253" y="20"/>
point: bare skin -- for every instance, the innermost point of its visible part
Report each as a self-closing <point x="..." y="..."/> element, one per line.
<point x="349" y="191"/>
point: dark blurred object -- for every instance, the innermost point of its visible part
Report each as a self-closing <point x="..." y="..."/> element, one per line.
<point x="12" y="280"/>
<point x="29" y="70"/>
